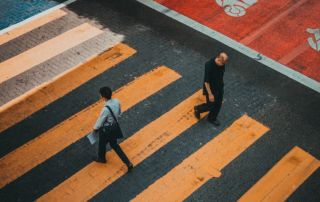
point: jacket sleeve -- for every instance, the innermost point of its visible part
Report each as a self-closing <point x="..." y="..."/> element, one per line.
<point x="101" y="119"/>
<point x="120" y="111"/>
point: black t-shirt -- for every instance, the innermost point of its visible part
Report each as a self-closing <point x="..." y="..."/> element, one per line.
<point x="214" y="76"/>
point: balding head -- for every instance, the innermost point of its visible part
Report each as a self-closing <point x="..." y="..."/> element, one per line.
<point x="222" y="58"/>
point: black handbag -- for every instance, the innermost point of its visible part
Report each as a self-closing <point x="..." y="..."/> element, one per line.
<point x="114" y="130"/>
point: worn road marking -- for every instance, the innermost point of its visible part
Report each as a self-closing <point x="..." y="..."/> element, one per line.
<point x="236" y="8"/>
<point x="37" y="98"/>
<point x="37" y="16"/>
<point x="38" y="150"/>
<point x="314" y="42"/>
<point x="206" y="163"/>
<point x="4" y="38"/>
<point x="294" y="53"/>
<point x="284" y="178"/>
<point x="49" y="49"/>
<point x="257" y="33"/>
<point x="95" y="177"/>
<point x="263" y="59"/>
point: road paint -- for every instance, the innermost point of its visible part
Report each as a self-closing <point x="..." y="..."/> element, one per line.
<point x="236" y="8"/>
<point x="258" y="32"/>
<point x="294" y="53"/>
<point x="215" y="34"/>
<point x="49" y="49"/>
<point x="307" y="62"/>
<point x="287" y="39"/>
<point x="38" y="150"/>
<point x="5" y="37"/>
<point x="35" y="17"/>
<point x="206" y="163"/>
<point x="284" y="178"/>
<point x="95" y="177"/>
<point x="314" y="41"/>
<point x="37" y="98"/>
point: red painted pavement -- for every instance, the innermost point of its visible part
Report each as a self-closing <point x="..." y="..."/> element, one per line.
<point x="275" y="28"/>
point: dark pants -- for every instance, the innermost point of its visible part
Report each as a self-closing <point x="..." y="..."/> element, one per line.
<point x="212" y="107"/>
<point x="103" y="141"/>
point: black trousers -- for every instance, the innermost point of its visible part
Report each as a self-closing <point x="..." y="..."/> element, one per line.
<point x="212" y="107"/>
<point x="103" y="141"/>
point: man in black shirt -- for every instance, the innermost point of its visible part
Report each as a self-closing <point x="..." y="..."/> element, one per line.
<point x="213" y="88"/>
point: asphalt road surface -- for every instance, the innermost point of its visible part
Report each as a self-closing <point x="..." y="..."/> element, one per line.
<point x="267" y="147"/>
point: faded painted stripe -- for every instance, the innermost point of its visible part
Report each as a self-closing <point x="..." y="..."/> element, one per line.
<point x="31" y="154"/>
<point x="255" y="34"/>
<point x="12" y="27"/>
<point x="313" y="84"/>
<point x="284" y="178"/>
<point x="37" y="98"/>
<point x="206" y="163"/>
<point x="95" y="177"/>
<point x="53" y="47"/>
<point x="4" y="38"/>
<point x="294" y="53"/>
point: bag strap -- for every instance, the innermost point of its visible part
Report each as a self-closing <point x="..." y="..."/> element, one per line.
<point x="112" y="114"/>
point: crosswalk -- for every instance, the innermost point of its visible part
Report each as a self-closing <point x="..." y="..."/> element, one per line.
<point x="181" y="181"/>
<point x="51" y="142"/>
<point x="37" y="98"/>
<point x="138" y="147"/>
<point x="284" y="178"/>
<point x="26" y="60"/>
<point x="31" y="26"/>
<point x="206" y="163"/>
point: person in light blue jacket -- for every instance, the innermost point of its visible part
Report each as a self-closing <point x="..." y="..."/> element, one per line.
<point x="109" y="113"/>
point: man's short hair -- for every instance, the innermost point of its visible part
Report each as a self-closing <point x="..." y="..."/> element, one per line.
<point x="106" y="92"/>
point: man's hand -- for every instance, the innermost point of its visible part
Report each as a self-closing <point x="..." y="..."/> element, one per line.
<point x="211" y="98"/>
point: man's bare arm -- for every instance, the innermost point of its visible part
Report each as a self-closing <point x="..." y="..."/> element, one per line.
<point x="211" y="97"/>
<point x="208" y="88"/>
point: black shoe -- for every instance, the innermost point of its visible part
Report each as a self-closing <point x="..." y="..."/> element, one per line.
<point x="214" y="122"/>
<point x="130" y="167"/>
<point x="100" y="160"/>
<point x="196" y="112"/>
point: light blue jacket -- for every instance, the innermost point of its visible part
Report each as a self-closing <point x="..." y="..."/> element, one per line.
<point x="105" y="114"/>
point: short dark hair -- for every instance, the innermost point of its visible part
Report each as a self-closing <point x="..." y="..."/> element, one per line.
<point x="106" y="92"/>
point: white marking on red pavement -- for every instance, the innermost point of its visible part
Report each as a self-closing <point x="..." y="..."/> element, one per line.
<point x="236" y="8"/>
<point x="314" y="41"/>
<point x="272" y="63"/>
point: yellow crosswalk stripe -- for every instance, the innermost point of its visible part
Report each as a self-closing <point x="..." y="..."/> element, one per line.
<point x="38" y="150"/>
<point x="4" y="38"/>
<point x="284" y="178"/>
<point x="53" y="47"/>
<point x="39" y="97"/>
<point x="95" y="177"/>
<point x="206" y="163"/>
